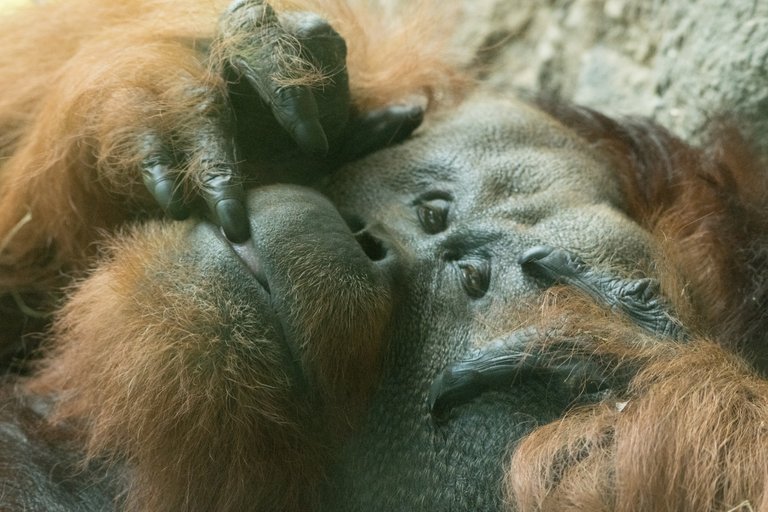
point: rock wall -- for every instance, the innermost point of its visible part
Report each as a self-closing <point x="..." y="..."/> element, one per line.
<point x="678" y="61"/>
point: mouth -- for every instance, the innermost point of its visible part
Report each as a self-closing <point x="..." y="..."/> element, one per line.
<point x="248" y="255"/>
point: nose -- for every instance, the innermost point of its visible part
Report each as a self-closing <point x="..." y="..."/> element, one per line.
<point x="371" y="244"/>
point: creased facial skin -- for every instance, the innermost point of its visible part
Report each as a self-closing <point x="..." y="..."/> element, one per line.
<point x="303" y="359"/>
<point x="506" y="178"/>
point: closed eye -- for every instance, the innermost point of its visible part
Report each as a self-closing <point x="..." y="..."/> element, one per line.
<point x="433" y="216"/>
<point x="475" y="276"/>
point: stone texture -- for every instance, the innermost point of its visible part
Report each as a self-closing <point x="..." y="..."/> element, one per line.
<point x="681" y="62"/>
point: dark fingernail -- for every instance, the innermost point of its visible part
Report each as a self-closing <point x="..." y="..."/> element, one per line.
<point x="534" y="254"/>
<point x="167" y="195"/>
<point x="310" y="137"/>
<point x="233" y="220"/>
<point x="439" y="400"/>
<point x="163" y="192"/>
<point x="410" y="113"/>
<point x="408" y="118"/>
<point x="456" y="385"/>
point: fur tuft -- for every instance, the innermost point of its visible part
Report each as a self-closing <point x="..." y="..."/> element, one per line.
<point x="709" y="210"/>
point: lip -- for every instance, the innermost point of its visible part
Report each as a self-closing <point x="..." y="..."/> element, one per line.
<point x="247" y="254"/>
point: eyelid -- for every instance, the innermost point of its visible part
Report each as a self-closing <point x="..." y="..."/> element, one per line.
<point x="475" y="276"/>
<point x="434" y="195"/>
<point x="432" y="209"/>
<point x="433" y="217"/>
<point x="463" y="243"/>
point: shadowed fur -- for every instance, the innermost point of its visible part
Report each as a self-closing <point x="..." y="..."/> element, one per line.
<point x="709" y="210"/>
<point x="687" y="433"/>
<point x="685" y="428"/>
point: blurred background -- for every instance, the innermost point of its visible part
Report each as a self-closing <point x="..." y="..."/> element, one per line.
<point x="677" y="61"/>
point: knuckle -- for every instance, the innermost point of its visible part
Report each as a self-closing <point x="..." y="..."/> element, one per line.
<point x="310" y="25"/>
<point x="218" y="181"/>
<point x="315" y="33"/>
<point x="243" y="16"/>
<point x="215" y="175"/>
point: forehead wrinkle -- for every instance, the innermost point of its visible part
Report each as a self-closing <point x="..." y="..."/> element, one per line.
<point x="431" y="173"/>
<point x="507" y="120"/>
<point x="523" y="171"/>
<point x="467" y="239"/>
<point x="431" y="163"/>
<point x="531" y="208"/>
<point x="516" y="212"/>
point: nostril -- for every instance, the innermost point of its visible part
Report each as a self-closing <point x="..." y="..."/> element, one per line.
<point x="354" y="223"/>
<point x="371" y="245"/>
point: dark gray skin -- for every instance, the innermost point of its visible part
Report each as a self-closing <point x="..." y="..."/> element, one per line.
<point x="504" y="178"/>
<point x="509" y="179"/>
<point x="514" y="357"/>
<point x="40" y="468"/>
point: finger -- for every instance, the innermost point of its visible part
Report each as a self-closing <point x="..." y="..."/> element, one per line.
<point x="380" y="128"/>
<point x="318" y="40"/>
<point x="248" y="14"/>
<point x="325" y="52"/>
<point x="248" y="40"/>
<point x="295" y="109"/>
<point x="496" y="365"/>
<point x="639" y="299"/>
<point x="555" y="266"/>
<point x="220" y="184"/>
<point x="500" y="364"/>
<point x="225" y="196"/>
<point x="297" y="64"/>
<point x="160" y="179"/>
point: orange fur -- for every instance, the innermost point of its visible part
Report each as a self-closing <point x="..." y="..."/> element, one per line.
<point x="197" y="399"/>
<point x="709" y="210"/>
<point x="688" y="434"/>
<point x="95" y="74"/>
<point x="689" y="438"/>
<point x="685" y="427"/>
<point x="101" y="371"/>
<point x="202" y="420"/>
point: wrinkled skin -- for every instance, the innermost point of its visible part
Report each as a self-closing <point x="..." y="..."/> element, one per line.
<point x="434" y="228"/>
<point x="510" y="179"/>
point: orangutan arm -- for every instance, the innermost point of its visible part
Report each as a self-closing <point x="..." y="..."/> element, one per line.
<point x="138" y="93"/>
